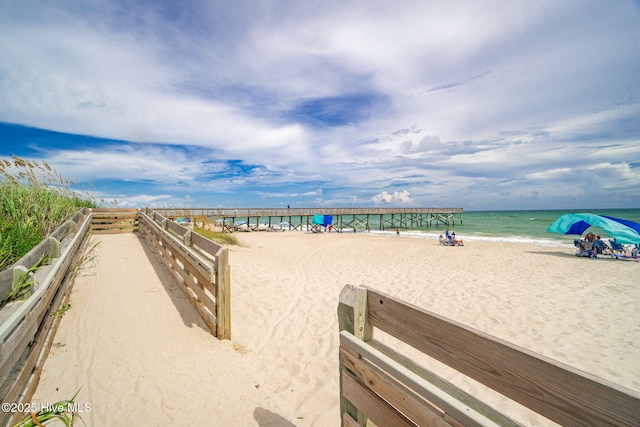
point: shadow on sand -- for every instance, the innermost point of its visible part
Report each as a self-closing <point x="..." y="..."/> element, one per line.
<point x="568" y="255"/>
<point x="266" y="418"/>
<point x="187" y="312"/>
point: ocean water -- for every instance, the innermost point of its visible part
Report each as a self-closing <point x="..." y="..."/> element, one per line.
<point x="497" y="226"/>
<point x="515" y="226"/>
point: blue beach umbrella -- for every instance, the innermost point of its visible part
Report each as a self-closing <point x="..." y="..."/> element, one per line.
<point x="624" y="231"/>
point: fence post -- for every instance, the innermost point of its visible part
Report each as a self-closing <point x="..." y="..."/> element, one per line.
<point x="72" y="227"/>
<point x="223" y="295"/>
<point x="54" y="247"/>
<point x="353" y="318"/>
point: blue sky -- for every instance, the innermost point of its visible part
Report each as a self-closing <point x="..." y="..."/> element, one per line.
<point x="476" y="104"/>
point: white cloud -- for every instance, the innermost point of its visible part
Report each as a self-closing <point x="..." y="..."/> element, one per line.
<point x="147" y="163"/>
<point x="471" y="94"/>
<point x="145" y="200"/>
<point x="396" y="197"/>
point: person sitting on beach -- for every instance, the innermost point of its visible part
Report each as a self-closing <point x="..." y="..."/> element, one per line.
<point x="599" y="245"/>
<point x="448" y="238"/>
<point x="441" y="239"/>
<point x="584" y="247"/>
<point x="589" y="245"/>
<point x="455" y="241"/>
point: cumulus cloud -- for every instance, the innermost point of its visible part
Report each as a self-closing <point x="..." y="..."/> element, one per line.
<point x="147" y="200"/>
<point x="128" y="163"/>
<point x="396" y="197"/>
<point x="358" y="99"/>
<point x="426" y="144"/>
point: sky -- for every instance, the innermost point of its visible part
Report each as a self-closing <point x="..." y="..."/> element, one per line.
<point x="484" y="105"/>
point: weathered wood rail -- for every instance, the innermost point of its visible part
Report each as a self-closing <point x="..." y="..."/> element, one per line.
<point x="386" y="387"/>
<point x="27" y="327"/>
<point x="199" y="266"/>
<point x="110" y="221"/>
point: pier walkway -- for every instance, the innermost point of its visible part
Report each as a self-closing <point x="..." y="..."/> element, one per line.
<point x="349" y="219"/>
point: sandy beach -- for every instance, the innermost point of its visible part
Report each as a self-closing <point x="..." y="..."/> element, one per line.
<point x="141" y="355"/>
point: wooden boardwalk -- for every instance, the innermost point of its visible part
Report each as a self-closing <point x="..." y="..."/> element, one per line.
<point x="351" y="219"/>
<point x="191" y="266"/>
<point x="128" y="296"/>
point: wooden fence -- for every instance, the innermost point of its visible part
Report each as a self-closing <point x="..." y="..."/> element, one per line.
<point x="110" y="221"/>
<point x="383" y="386"/>
<point x="27" y="326"/>
<point x="199" y="266"/>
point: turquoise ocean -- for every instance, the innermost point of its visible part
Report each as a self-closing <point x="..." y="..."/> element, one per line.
<point x="515" y="226"/>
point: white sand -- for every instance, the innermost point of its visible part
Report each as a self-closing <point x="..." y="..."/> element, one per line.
<point x="143" y="357"/>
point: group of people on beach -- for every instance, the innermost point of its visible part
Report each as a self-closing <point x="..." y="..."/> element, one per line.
<point x="593" y="245"/>
<point x="449" y="239"/>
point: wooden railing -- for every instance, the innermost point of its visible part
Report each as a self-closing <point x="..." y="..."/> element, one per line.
<point x="114" y="220"/>
<point x="199" y="266"/>
<point x="386" y="387"/>
<point x="27" y="326"/>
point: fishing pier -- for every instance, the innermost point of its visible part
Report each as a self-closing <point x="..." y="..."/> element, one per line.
<point x="302" y="219"/>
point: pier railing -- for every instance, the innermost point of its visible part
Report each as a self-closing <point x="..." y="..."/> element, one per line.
<point x="383" y="385"/>
<point x="301" y="219"/>
<point x="265" y="212"/>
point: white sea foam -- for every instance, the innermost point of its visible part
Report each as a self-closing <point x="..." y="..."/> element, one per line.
<point x="416" y="234"/>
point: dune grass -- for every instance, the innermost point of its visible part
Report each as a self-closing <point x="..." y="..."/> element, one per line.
<point x="22" y="289"/>
<point x="218" y="236"/>
<point x="64" y="412"/>
<point x="34" y="201"/>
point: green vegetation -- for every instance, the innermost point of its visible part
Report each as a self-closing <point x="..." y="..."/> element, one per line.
<point x="34" y="201"/>
<point x="61" y="311"/>
<point x="22" y="289"/>
<point x="87" y="257"/>
<point x="218" y="236"/>
<point x="63" y="411"/>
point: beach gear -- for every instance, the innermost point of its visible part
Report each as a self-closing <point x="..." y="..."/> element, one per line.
<point x="615" y="245"/>
<point x="323" y="220"/>
<point x="622" y="230"/>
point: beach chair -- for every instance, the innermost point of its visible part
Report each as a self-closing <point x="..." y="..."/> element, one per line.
<point x="585" y="248"/>
<point x="616" y="247"/>
<point x="448" y="238"/>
